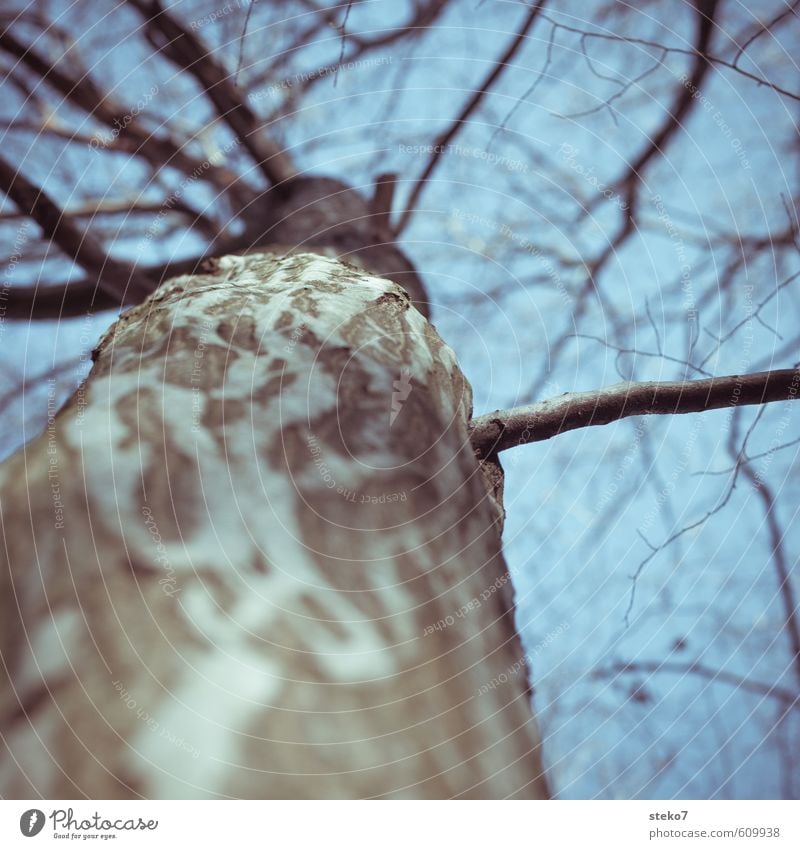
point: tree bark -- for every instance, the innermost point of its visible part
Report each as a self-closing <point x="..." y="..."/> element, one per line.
<point x="255" y="556"/>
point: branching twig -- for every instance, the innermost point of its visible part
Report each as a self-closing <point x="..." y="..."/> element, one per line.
<point x="343" y="32"/>
<point x="684" y="51"/>
<point x="425" y="15"/>
<point x="624" y="87"/>
<point x="84" y="94"/>
<point x="548" y="58"/>
<point x="749" y="458"/>
<point x="675" y="668"/>
<point x="722" y="502"/>
<point x="785" y="587"/>
<point x="635" y="352"/>
<point x="750" y="315"/>
<point x="241" y="41"/>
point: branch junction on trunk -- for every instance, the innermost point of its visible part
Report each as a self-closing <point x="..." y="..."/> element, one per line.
<point x="505" y="429"/>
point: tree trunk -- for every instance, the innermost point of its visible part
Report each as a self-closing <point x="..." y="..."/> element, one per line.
<point x="254" y="556"/>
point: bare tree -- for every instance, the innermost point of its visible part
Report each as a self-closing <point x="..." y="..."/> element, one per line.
<point x="257" y="552"/>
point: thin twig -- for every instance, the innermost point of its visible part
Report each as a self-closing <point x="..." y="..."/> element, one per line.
<point x="714" y="675"/>
<point x="241" y="42"/>
<point x="343" y="33"/>
<point x="684" y="51"/>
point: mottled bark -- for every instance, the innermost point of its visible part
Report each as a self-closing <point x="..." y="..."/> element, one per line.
<point x="255" y="556"/>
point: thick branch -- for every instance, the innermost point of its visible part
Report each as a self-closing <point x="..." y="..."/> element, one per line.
<point x="381" y="206"/>
<point x="96" y="207"/>
<point x="184" y="49"/>
<point x="62" y="300"/>
<point x="113" y="277"/>
<point x="505" y="429"/>
<point x="65" y="300"/>
<point x="84" y="94"/>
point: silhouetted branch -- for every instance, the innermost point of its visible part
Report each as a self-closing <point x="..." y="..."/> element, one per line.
<point x="761" y="29"/>
<point x="117" y="279"/>
<point x="755" y="314"/>
<point x="684" y="51"/>
<point x="61" y="300"/>
<point x="182" y="47"/>
<point x="425" y="15"/>
<point x="684" y="99"/>
<point x="472" y="104"/>
<point x="722" y="502"/>
<point x="628" y="184"/>
<point x="782" y="568"/>
<point x="83" y="93"/>
<point x="381" y="206"/>
<point x="95" y="208"/>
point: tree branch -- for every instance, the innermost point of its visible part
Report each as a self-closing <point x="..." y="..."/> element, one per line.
<point x="423" y="18"/>
<point x="782" y="567"/>
<point x="60" y="300"/>
<point x="82" y="93"/>
<point x="684" y="99"/>
<point x="684" y="51"/>
<point x="117" y="279"/>
<point x="472" y="104"/>
<point x="505" y="429"/>
<point x="675" y="668"/>
<point x="762" y="29"/>
<point x="95" y="208"/>
<point x="381" y="206"/>
<point x="67" y="300"/>
<point x="185" y="50"/>
<point x="628" y="184"/>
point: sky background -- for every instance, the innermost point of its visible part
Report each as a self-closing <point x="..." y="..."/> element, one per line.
<point x="502" y="236"/>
